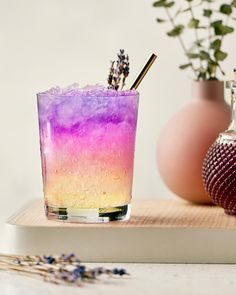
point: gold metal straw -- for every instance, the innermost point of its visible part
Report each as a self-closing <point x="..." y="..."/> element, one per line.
<point x="143" y="71"/>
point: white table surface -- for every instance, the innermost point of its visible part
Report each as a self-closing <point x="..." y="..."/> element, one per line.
<point x="156" y="279"/>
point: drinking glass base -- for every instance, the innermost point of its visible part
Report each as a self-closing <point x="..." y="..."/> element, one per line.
<point x="100" y="215"/>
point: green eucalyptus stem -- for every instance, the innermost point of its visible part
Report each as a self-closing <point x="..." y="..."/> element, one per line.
<point x="209" y="29"/>
<point x="180" y="40"/>
<point x="196" y="33"/>
<point x="222" y="38"/>
<point x="212" y="75"/>
<point x="226" y="23"/>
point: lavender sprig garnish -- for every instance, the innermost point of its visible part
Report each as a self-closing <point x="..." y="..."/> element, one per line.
<point x="119" y="71"/>
<point x="63" y="269"/>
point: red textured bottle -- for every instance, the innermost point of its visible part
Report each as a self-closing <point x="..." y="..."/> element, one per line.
<point x="219" y="167"/>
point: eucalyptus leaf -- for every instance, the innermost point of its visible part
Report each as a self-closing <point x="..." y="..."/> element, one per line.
<point x="203" y="55"/>
<point x="185" y="66"/>
<point x="207" y="12"/>
<point x="194" y="23"/>
<point x="226" y="9"/>
<point x="216" y="44"/>
<point x="220" y="29"/>
<point x="178" y="30"/>
<point x="163" y="3"/>
<point x="160" y="3"/>
<point x="192" y="55"/>
<point x="160" y="20"/>
<point x="169" y="4"/>
<point x="220" y="55"/>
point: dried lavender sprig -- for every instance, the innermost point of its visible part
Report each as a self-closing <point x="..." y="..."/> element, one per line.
<point x="119" y="71"/>
<point x="63" y="269"/>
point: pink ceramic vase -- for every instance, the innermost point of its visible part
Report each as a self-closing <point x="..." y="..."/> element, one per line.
<point x="187" y="137"/>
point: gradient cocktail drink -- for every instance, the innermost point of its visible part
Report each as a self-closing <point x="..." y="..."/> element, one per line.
<point x="87" y="138"/>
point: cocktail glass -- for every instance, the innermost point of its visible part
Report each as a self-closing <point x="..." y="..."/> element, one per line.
<point x="87" y="140"/>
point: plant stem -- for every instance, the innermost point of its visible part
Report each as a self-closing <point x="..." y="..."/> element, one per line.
<point x="226" y="23"/>
<point x="196" y="34"/>
<point x="180" y="40"/>
<point x="222" y="38"/>
<point x="209" y="27"/>
<point x="209" y="33"/>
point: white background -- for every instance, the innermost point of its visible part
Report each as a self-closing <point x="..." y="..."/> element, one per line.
<point x="57" y="42"/>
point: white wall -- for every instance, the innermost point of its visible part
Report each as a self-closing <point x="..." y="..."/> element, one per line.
<point x="57" y="42"/>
